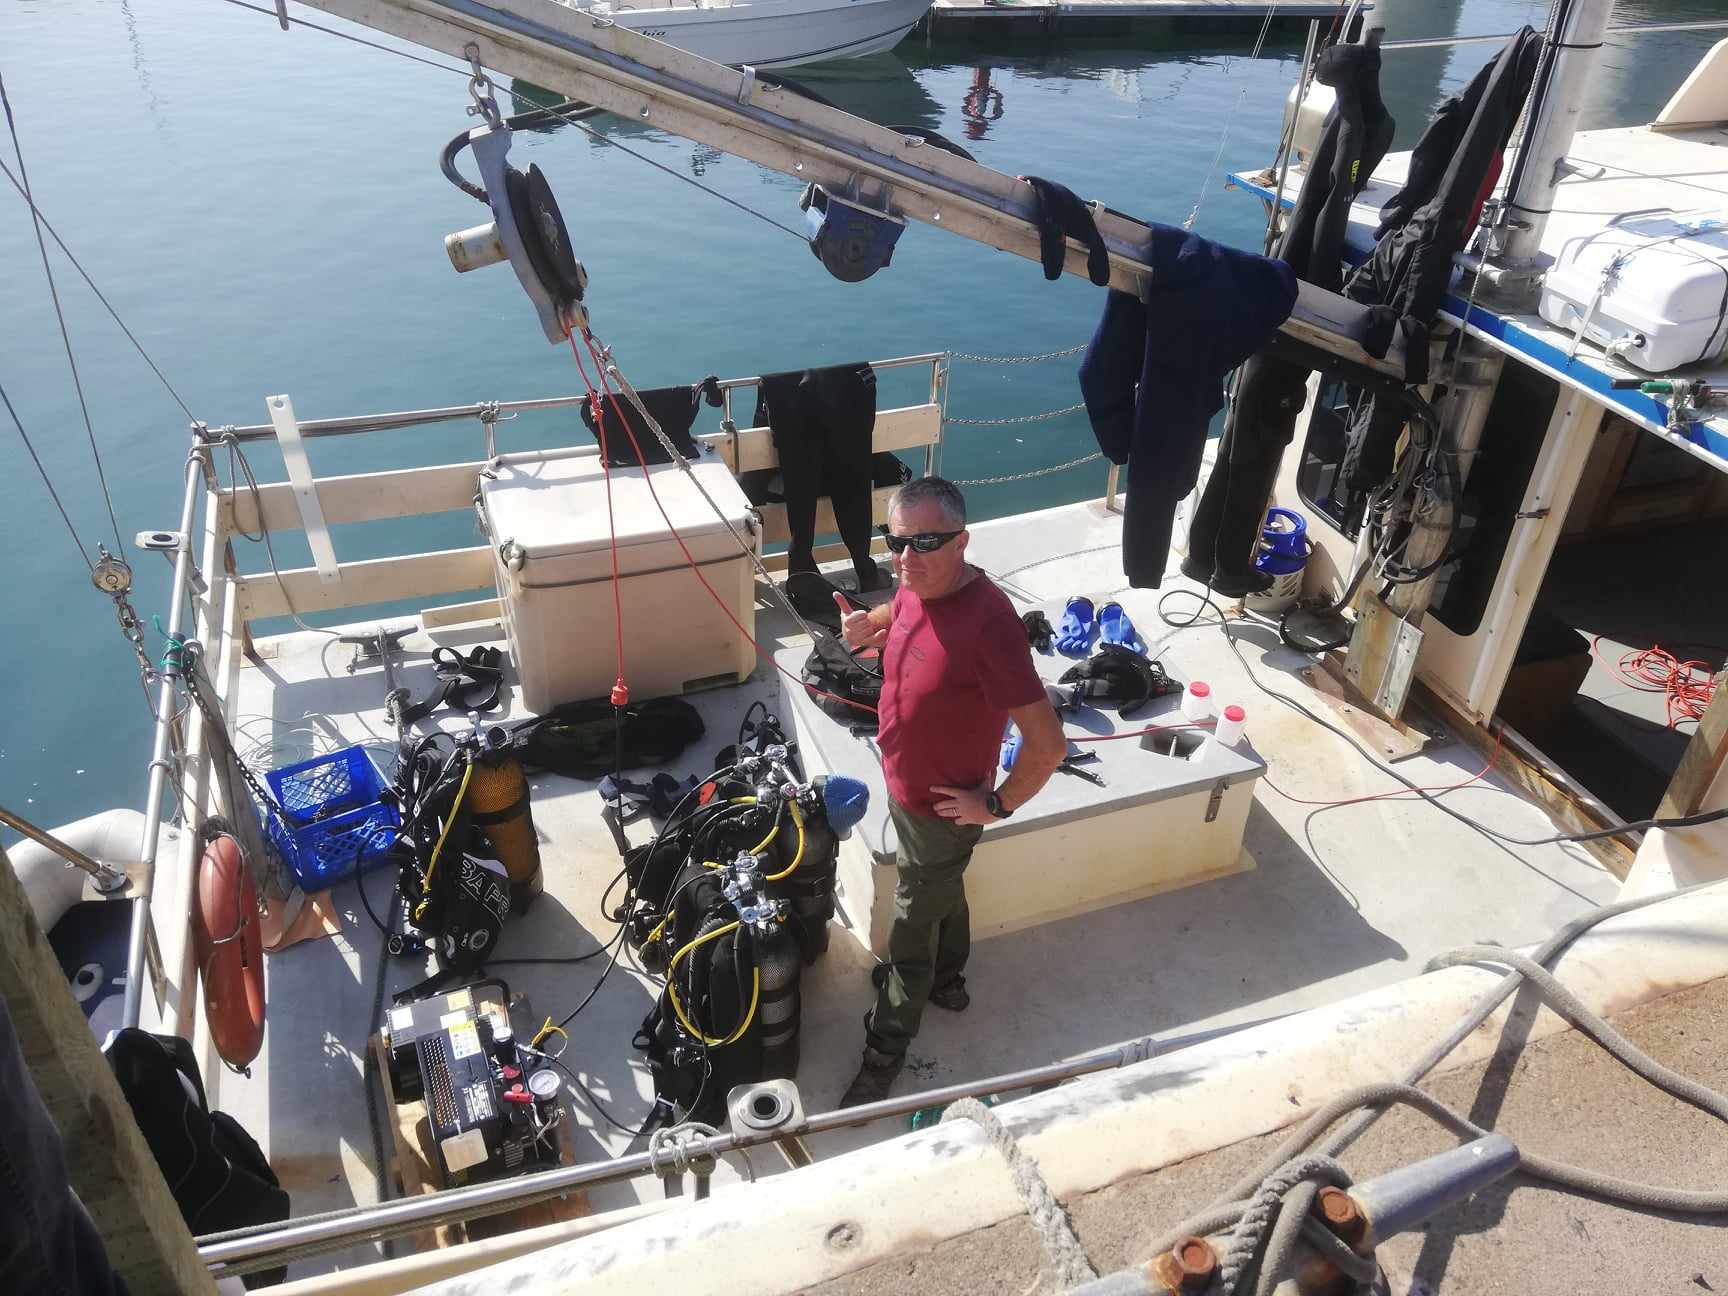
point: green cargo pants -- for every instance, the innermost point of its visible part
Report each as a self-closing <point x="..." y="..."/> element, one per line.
<point x="931" y="934"/>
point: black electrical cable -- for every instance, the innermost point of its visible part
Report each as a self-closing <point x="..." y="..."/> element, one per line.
<point x="616" y="945"/>
<point x="549" y="958"/>
<point x="616" y="916"/>
<point x="365" y="900"/>
<point x="596" y="1104"/>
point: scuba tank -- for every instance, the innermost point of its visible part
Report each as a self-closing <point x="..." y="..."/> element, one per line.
<point x="807" y="888"/>
<point x="732" y="900"/>
<point x="728" y="1013"/>
<point x="780" y="1005"/>
<point x="498" y="806"/>
<point x="456" y="890"/>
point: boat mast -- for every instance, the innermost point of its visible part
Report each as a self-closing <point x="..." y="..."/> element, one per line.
<point x="1556" y="104"/>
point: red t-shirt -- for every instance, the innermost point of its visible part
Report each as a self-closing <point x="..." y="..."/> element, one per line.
<point x="951" y="671"/>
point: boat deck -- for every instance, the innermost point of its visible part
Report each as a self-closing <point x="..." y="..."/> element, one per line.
<point x="1341" y="899"/>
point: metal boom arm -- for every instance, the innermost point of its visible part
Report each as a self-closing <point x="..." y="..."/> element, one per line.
<point x="590" y="58"/>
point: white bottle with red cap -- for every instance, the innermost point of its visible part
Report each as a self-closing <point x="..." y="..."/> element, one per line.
<point x="1197" y="702"/>
<point x="1227" y="732"/>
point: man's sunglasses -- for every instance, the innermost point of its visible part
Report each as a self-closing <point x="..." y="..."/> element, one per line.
<point x="927" y="542"/>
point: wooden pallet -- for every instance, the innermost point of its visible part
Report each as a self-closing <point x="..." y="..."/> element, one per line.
<point x="415" y="1164"/>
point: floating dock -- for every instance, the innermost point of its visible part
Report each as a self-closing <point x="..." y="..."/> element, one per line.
<point x="1192" y="15"/>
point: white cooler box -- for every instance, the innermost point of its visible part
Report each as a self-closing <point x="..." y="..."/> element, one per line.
<point x="1663" y="283"/>
<point x="547" y="523"/>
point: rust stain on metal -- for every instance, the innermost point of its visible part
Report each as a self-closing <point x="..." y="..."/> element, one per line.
<point x="1343" y="1215"/>
<point x="1187" y="1267"/>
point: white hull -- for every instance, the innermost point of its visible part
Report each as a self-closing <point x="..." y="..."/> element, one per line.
<point x="777" y="33"/>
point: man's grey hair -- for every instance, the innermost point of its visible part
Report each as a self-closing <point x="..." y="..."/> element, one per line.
<point x="932" y="490"/>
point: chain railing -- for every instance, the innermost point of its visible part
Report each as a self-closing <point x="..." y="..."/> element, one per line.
<point x="1014" y="360"/>
<point x="1033" y="472"/>
<point x="1017" y="419"/>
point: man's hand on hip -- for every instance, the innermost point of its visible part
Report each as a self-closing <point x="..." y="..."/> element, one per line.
<point x="857" y="627"/>
<point x="964" y="805"/>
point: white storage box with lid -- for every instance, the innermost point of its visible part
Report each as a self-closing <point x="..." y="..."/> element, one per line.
<point x="1650" y="287"/>
<point x="546" y="518"/>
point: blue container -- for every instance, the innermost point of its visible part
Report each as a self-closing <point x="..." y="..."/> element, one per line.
<point x="1283" y="543"/>
<point x="333" y="815"/>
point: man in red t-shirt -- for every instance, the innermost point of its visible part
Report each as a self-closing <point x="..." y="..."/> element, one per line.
<point x="956" y="668"/>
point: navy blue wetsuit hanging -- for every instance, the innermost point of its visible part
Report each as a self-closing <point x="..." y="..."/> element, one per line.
<point x="1153" y="374"/>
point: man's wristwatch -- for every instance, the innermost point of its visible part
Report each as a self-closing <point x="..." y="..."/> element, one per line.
<point x="993" y="803"/>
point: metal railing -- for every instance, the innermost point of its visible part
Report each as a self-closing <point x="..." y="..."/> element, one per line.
<point x="167" y="715"/>
<point x="264" y="1246"/>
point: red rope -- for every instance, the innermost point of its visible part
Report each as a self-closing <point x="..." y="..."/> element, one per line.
<point x="620" y="690"/>
<point x="648" y="479"/>
<point x="1686" y="685"/>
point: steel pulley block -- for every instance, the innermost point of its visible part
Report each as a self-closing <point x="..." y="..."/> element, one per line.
<point x="527" y="230"/>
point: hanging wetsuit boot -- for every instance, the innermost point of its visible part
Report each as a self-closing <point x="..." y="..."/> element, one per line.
<point x="1234" y="499"/>
<point x="1060" y="214"/>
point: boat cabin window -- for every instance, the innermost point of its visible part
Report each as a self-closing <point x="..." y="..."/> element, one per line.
<point x="1319" y="481"/>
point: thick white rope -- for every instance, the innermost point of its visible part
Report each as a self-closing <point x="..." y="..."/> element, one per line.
<point x="1067" y="1257"/>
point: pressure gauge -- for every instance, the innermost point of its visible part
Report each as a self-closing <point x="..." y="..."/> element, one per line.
<point x="544" y="1084"/>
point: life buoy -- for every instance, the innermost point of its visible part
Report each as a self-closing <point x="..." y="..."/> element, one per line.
<point x="230" y="951"/>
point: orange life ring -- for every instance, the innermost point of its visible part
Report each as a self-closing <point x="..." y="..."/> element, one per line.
<point x="230" y="951"/>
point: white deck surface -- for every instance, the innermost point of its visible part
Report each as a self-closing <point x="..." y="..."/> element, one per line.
<point x="1341" y="900"/>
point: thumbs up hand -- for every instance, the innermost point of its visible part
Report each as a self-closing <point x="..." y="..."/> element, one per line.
<point x="856" y="627"/>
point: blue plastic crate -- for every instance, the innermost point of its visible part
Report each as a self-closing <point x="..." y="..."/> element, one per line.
<point x="317" y="789"/>
<point x="333" y="814"/>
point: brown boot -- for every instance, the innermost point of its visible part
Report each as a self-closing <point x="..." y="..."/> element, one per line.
<point x="874" y="1079"/>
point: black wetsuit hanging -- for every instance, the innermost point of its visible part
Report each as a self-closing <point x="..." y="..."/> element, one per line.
<point x="1271" y="391"/>
<point x="823" y="421"/>
<point x="1425" y="225"/>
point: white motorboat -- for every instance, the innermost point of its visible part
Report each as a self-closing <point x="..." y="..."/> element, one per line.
<point x="770" y="33"/>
